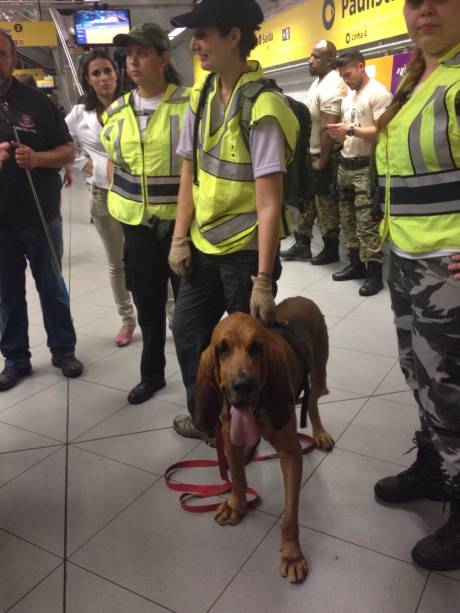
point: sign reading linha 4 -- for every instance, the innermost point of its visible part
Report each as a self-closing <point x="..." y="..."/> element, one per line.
<point x="291" y="35"/>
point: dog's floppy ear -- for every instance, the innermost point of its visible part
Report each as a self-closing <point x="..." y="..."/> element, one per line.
<point x="276" y="396"/>
<point x="208" y="397"/>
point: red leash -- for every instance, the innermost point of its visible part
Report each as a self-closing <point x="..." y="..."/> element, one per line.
<point x="193" y="490"/>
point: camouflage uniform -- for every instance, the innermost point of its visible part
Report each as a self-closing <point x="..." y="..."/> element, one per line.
<point x="323" y="207"/>
<point x="426" y="303"/>
<point x="360" y="230"/>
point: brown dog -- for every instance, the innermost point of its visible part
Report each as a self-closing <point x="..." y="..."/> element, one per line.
<point x="248" y="367"/>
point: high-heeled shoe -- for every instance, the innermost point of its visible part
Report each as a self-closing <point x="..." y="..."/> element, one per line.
<point x="125" y="335"/>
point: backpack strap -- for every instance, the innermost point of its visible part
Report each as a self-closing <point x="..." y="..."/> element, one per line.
<point x="249" y="93"/>
<point x="209" y="82"/>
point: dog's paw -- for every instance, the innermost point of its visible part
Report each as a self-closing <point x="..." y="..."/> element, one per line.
<point x="226" y="515"/>
<point x="324" y="440"/>
<point x="293" y="565"/>
<point x="295" y="569"/>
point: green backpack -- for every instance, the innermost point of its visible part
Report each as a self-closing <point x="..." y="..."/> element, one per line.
<point x="298" y="178"/>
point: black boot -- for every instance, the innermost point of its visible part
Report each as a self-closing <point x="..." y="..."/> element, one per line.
<point x="373" y="283"/>
<point x="329" y="253"/>
<point x="421" y="480"/>
<point x="441" y="550"/>
<point x="355" y="269"/>
<point x="300" y="251"/>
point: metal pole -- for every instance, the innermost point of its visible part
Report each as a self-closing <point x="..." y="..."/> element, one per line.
<point x="54" y="17"/>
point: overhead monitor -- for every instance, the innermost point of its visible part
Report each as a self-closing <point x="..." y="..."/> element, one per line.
<point x="99" y="27"/>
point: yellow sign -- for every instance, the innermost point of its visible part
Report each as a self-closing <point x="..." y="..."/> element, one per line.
<point x="381" y="68"/>
<point x="291" y="35"/>
<point x="37" y="73"/>
<point x="31" y="33"/>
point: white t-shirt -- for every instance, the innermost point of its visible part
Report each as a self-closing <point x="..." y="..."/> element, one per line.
<point x="85" y="129"/>
<point x="362" y="109"/>
<point x="324" y="96"/>
<point x="144" y="108"/>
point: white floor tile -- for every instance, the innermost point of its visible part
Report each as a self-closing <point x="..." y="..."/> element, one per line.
<point x="383" y="430"/>
<point x="441" y="594"/>
<point x="356" y="371"/>
<point x="370" y="337"/>
<point x="22" y="567"/>
<point x="27" y="387"/>
<point x="342" y="578"/>
<point x="15" y="463"/>
<point x="47" y="597"/>
<point x="339" y="500"/>
<point x="168" y="552"/>
<point x="46" y="412"/>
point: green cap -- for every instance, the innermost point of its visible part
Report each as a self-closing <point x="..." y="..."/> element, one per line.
<point x="148" y="34"/>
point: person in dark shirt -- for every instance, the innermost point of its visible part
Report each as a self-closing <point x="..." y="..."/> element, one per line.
<point x="45" y="146"/>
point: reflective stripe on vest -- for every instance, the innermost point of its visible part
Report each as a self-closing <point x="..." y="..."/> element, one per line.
<point x="420" y="194"/>
<point x="116" y="106"/>
<point x="162" y="190"/>
<point x="119" y="160"/>
<point x="174" y="127"/>
<point x="229" y="228"/>
<point x="225" y="170"/>
<point x="179" y="95"/>
<point x="127" y="185"/>
<point x="440" y="139"/>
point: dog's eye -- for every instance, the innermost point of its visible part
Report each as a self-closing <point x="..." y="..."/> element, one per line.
<point x="222" y="349"/>
<point x="254" y="348"/>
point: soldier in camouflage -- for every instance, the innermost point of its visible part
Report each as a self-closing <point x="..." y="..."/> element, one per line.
<point x="361" y="108"/>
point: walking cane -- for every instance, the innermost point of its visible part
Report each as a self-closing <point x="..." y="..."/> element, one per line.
<point x="4" y="116"/>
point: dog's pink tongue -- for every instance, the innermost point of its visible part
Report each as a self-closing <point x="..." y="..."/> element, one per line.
<point x="243" y="428"/>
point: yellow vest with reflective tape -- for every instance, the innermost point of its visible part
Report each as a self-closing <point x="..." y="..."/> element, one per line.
<point x="225" y="218"/>
<point x="418" y="163"/>
<point x="145" y="173"/>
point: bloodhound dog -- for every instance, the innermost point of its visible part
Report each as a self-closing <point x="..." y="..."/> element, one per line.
<point x="251" y="375"/>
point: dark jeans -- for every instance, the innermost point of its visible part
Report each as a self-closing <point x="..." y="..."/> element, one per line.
<point x="147" y="272"/>
<point x="218" y="283"/>
<point x="16" y="247"/>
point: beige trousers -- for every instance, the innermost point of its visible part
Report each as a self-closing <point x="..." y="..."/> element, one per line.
<point x="111" y="233"/>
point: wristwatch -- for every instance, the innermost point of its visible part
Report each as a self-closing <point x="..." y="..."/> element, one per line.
<point x="351" y="131"/>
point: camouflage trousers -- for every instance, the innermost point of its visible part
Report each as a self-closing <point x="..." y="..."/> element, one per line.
<point x="359" y="228"/>
<point x="426" y="304"/>
<point x="324" y="210"/>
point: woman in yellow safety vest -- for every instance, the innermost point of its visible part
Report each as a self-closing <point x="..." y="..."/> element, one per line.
<point x="232" y="207"/>
<point x="140" y="134"/>
<point x="418" y="163"/>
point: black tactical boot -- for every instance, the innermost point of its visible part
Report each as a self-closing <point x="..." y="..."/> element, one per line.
<point x="355" y="269"/>
<point x="421" y="480"/>
<point x="373" y="283"/>
<point x="329" y="253"/>
<point x="441" y="550"/>
<point x="300" y="251"/>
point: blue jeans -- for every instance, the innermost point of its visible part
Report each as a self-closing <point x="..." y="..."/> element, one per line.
<point x="16" y="247"/>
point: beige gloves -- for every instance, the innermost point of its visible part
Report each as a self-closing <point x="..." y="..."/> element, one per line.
<point x="262" y="303"/>
<point x="180" y="256"/>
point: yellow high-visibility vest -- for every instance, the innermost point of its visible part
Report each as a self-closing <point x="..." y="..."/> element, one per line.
<point x="225" y="218"/>
<point x="418" y="163"/>
<point x="145" y="171"/>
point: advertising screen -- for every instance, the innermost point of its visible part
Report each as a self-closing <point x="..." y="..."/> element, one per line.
<point x="99" y="27"/>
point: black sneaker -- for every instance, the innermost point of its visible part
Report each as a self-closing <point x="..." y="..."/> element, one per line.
<point x="70" y="366"/>
<point x="441" y="550"/>
<point x="10" y="376"/>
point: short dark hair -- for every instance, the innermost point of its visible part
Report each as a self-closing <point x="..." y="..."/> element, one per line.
<point x="350" y="57"/>
<point x="90" y="99"/>
<point x="10" y="40"/>
<point x="248" y="40"/>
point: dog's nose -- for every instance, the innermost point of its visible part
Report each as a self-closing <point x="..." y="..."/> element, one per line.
<point x="243" y="385"/>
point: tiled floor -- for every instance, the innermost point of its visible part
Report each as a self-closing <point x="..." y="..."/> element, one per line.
<point x="88" y="526"/>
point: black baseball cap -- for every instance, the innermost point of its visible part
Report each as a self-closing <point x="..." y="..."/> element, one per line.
<point x="238" y="13"/>
<point x="148" y="34"/>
